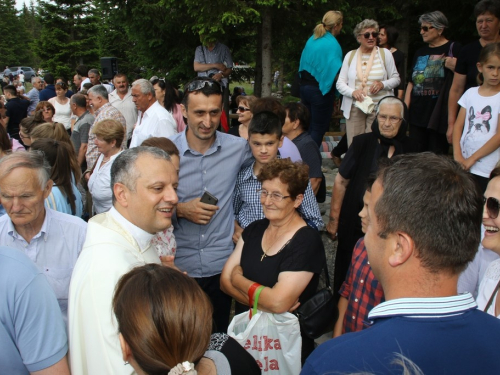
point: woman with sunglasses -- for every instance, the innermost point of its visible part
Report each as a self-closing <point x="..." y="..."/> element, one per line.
<point x="489" y="251"/>
<point x="367" y="75"/>
<point x="244" y="105"/>
<point x="427" y="92"/>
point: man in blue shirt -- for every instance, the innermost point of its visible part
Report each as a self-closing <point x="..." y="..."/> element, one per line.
<point x="209" y="162"/>
<point x="32" y="333"/>
<point x="424" y="220"/>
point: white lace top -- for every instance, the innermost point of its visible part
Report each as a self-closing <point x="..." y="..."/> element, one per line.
<point x="488" y="284"/>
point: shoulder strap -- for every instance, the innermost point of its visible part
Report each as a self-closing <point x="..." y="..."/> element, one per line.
<point x="492" y="296"/>
<point x="382" y="55"/>
<point x="351" y="56"/>
<point x="450" y="52"/>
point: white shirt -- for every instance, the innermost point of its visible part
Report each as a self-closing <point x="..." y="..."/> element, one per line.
<point x="488" y="284"/>
<point x="99" y="185"/>
<point x="112" y="248"/>
<point x="54" y="249"/>
<point x="155" y="122"/>
<point x="127" y="108"/>
<point x="84" y="82"/>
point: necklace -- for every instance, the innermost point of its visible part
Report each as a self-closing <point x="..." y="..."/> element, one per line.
<point x="276" y="240"/>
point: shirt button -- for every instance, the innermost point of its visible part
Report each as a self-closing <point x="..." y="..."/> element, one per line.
<point x="368" y="262"/>
<point x="201" y="250"/>
<point x="353" y="317"/>
<point x="361" y="281"/>
<point x="202" y="236"/>
<point x="356" y="300"/>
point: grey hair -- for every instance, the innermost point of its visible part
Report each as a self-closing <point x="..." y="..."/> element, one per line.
<point x="34" y="79"/>
<point x="145" y="86"/>
<point x="32" y="160"/>
<point x="79" y="99"/>
<point x="391" y="100"/>
<point x="95" y="71"/>
<point x="99" y="90"/>
<point x="436" y="19"/>
<point x="124" y="169"/>
<point x="365" y="24"/>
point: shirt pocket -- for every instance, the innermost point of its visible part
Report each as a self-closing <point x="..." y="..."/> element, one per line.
<point x="59" y="279"/>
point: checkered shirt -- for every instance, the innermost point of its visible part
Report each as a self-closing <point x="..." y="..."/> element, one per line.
<point x="362" y="290"/>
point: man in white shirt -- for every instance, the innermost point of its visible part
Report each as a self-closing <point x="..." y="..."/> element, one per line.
<point x="51" y="239"/>
<point x="95" y="79"/>
<point x="121" y="99"/>
<point x="153" y="120"/>
<point x="144" y="183"/>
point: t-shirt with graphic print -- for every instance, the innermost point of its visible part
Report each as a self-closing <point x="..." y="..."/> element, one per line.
<point x="481" y="124"/>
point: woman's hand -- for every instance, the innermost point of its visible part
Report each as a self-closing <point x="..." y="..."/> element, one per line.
<point x="358" y="95"/>
<point x="376" y="87"/>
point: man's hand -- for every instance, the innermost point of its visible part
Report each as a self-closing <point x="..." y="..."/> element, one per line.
<point x="196" y="211"/>
<point x="237" y="232"/>
<point x="217" y="77"/>
<point x="332" y="228"/>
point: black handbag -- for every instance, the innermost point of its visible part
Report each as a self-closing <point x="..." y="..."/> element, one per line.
<point x="318" y="315"/>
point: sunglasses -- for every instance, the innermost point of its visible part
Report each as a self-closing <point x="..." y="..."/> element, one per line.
<point x="426" y="28"/>
<point x="367" y="35"/>
<point x="492" y="206"/>
<point x="243" y="109"/>
<point x="202" y="83"/>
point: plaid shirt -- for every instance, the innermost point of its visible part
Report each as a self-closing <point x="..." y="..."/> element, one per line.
<point x="362" y="290"/>
<point x="105" y="112"/>
<point x="247" y="206"/>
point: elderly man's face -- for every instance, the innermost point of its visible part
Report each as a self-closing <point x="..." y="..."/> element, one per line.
<point x="121" y="84"/>
<point x="151" y="205"/>
<point x="389" y="120"/>
<point x="38" y="84"/>
<point x="142" y="101"/>
<point x="23" y="198"/>
<point x="95" y="101"/>
<point x="94" y="78"/>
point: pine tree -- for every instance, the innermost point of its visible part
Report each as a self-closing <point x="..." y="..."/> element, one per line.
<point x="13" y="43"/>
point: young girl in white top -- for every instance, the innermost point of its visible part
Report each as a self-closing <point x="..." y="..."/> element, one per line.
<point x="476" y="141"/>
<point x="62" y="106"/>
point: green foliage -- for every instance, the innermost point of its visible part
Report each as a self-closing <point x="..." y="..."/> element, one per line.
<point x="68" y="36"/>
<point x="14" y="38"/>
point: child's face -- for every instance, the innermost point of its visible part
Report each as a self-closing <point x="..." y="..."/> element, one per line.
<point x="490" y="71"/>
<point x="264" y="147"/>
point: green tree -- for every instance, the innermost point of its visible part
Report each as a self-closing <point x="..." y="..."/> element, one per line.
<point x="68" y="36"/>
<point x="13" y="46"/>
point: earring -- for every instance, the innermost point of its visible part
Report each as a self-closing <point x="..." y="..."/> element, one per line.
<point x="126" y="363"/>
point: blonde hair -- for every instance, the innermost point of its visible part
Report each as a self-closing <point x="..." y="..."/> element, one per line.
<point x="331" y="19"/>
<point x="109" y="130"/>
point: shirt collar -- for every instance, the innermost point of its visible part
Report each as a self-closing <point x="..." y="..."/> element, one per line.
<point x="83" y="115"/>
<point x="185" y="145"/>
<point x="424" y="307"/>
<point x="44" y="230"/>
<point x="104" y="106"/>
<point x="142" y="237"/>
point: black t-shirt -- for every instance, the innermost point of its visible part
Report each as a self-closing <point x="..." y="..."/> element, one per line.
<point x="428" y="77"/>
<point x="17" y="109"/>
<point x="310" y="154"/>
<point x="466" y="63"/>
<point x="304" y="252"/>
<point x="399" y="60"/>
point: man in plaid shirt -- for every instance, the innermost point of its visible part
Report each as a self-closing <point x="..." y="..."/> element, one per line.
<point x="98" y="101"/>
<point x="360" y="291"/>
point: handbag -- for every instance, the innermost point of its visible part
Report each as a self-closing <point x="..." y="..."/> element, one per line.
<point x="317" y="315"/>
<point x="273" y="340"/>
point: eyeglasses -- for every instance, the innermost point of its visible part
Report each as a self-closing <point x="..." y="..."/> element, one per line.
<point x="426" y="28"/>
<point x="243" y="109"/>
<point x="275" y="197"/>
<point x="367" y="35"/>
<point x="492" y="206"/>
<point x="393" y="120"/>
<point x="201" y="83"/>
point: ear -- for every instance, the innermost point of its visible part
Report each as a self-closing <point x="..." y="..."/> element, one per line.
<point x="296" y="124"/>
<point x="479" y="67"/>
<point x="281" y="141"/>
<point x="121" y="194"/>
<point x="298" y="200"/>
<point x="48" y="189"/>
<point x="184" y="111"/>
<point x="402" y="249"/>
<point x="126" y="352"/>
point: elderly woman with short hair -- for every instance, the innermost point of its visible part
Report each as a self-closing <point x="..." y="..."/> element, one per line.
<point x="431" y="79"/>
<point x="367" y="75"/>
<point x="109" y="136"/>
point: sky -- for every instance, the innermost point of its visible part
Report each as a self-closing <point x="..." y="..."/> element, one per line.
<point x="19" y="3"/>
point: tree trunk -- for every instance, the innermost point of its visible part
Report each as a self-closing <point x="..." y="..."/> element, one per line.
<point x="266" y="52"/>
<point x="257" y="88"/>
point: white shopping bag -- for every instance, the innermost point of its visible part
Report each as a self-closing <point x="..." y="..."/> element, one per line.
<point x="272" y="339"/>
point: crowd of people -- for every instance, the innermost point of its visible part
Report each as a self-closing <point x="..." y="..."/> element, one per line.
<point x="135" y="213"/>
